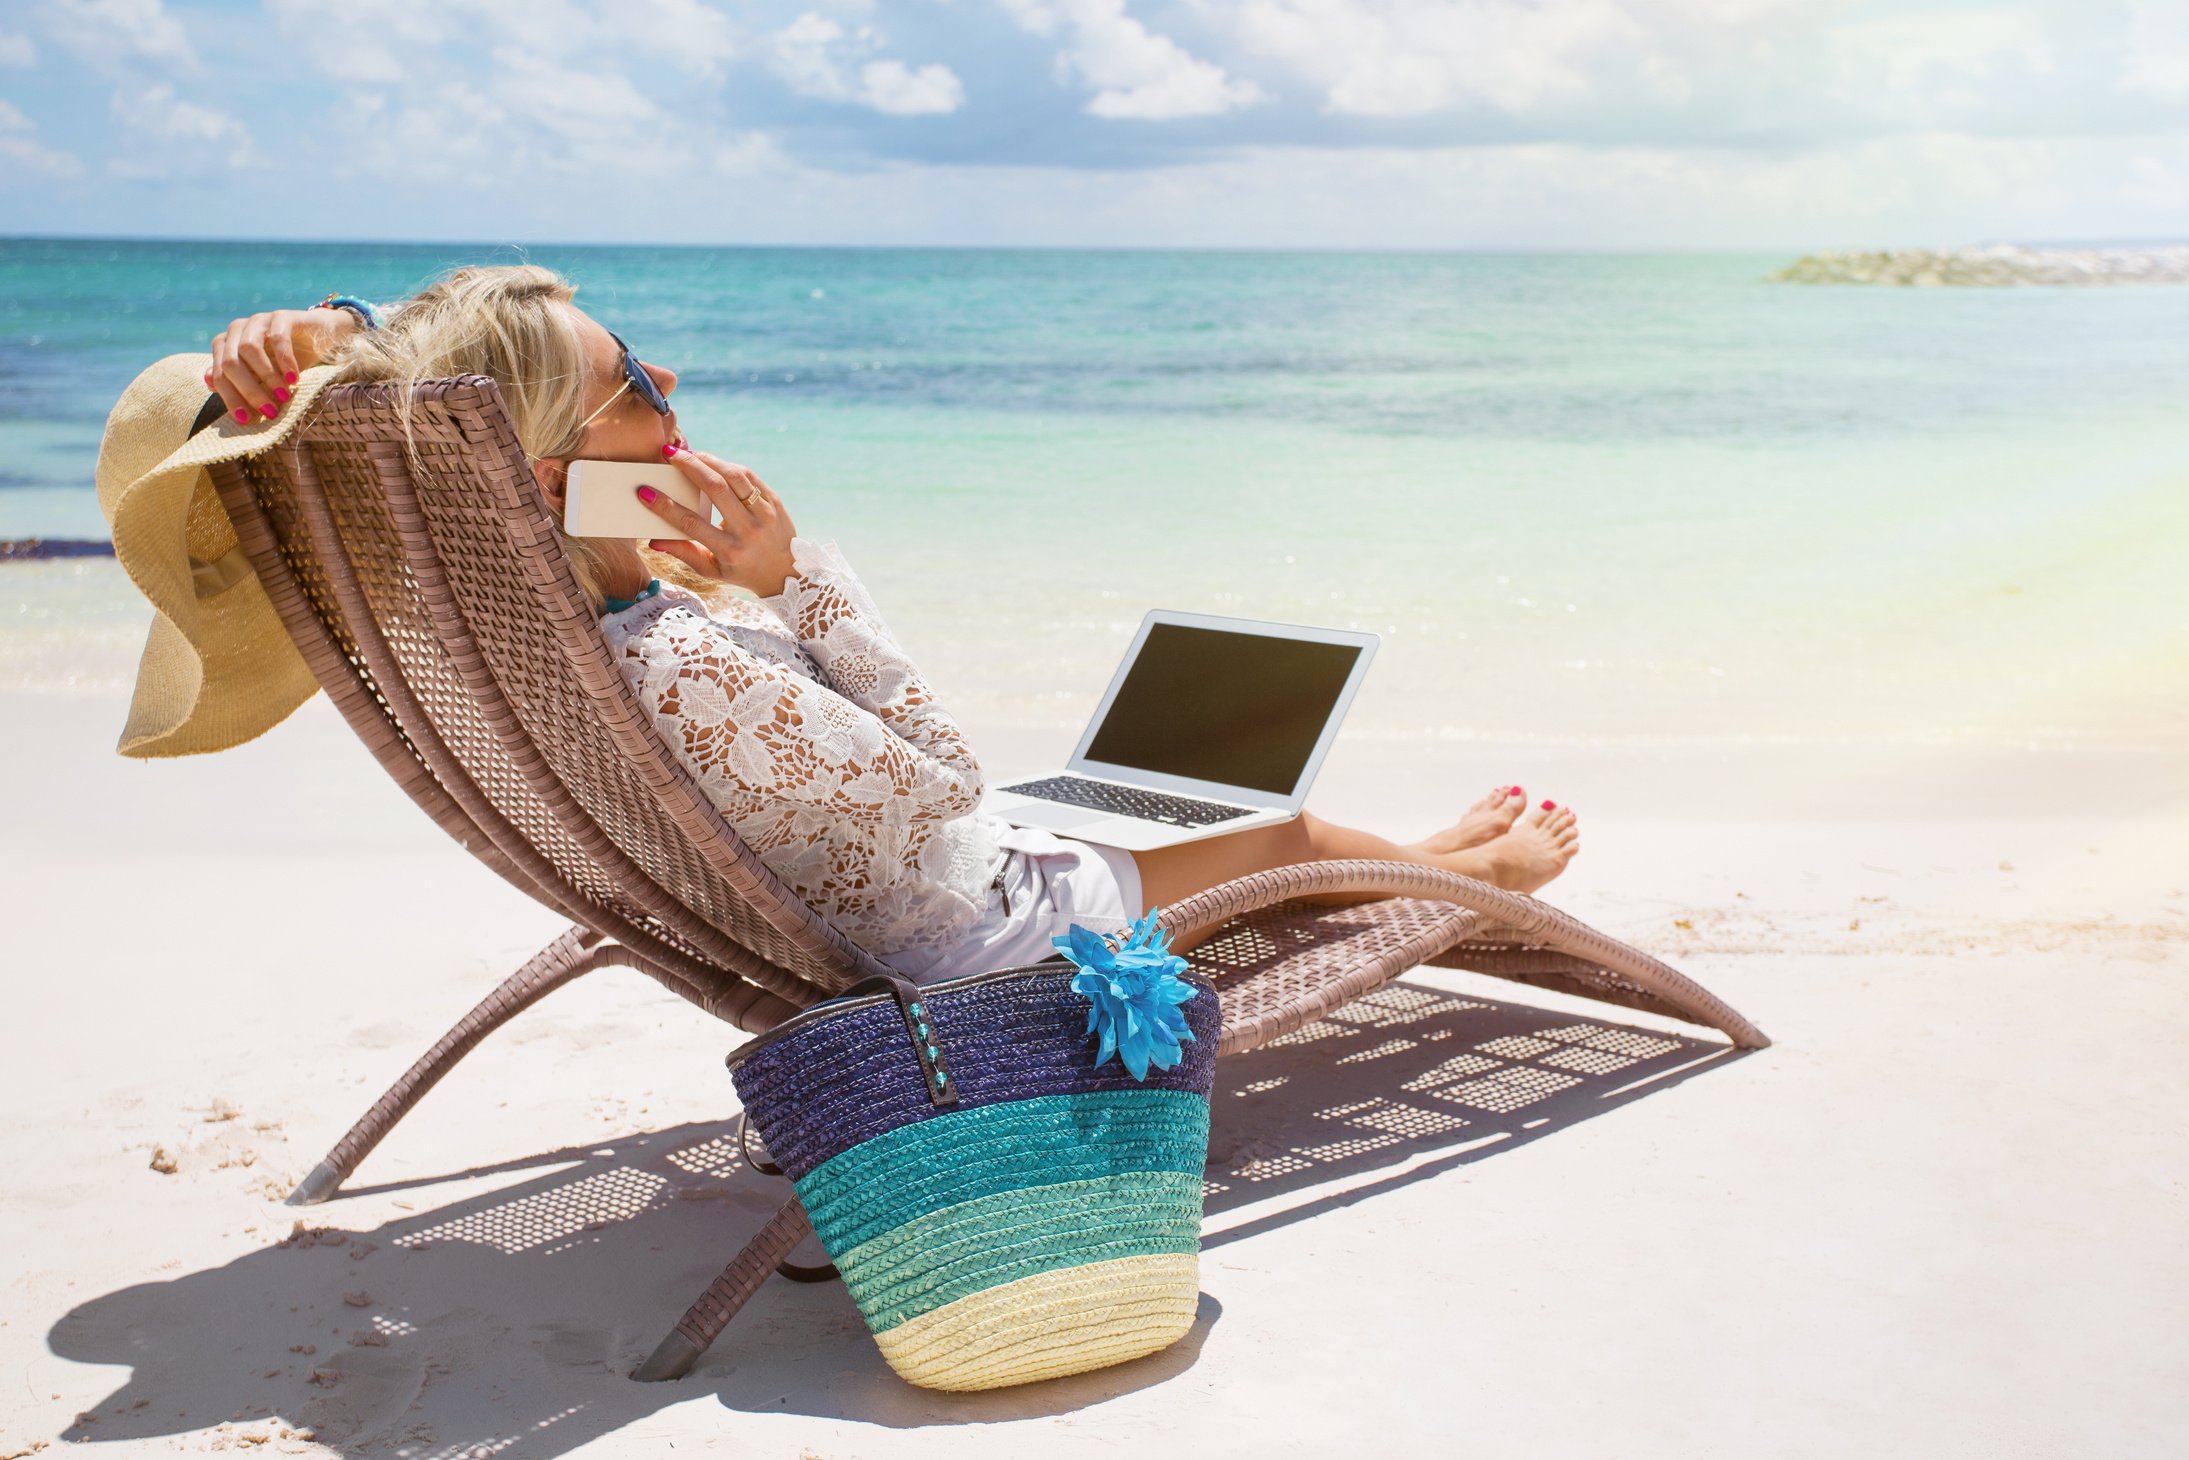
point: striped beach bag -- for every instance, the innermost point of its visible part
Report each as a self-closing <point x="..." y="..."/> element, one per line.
<point x="1005" y="1168"/>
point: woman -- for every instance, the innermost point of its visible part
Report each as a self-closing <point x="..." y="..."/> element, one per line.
<point x="794" y="708"/>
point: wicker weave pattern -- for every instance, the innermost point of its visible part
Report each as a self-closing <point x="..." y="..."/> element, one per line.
<point x="437" y="613"/>
<point x="1425" y="918"/>
<point x="1056" y="1177"/>
<point x="966" y="1155"/>
<point x="1280" y="962"/>
<point x="479" y="541"/>
<point x="952" y="1253"/>
<point x="332" y="515"/>
<point x="853" y="1083"/>
<point x="321" y="603"/>
<point x="1084" y="1318"/>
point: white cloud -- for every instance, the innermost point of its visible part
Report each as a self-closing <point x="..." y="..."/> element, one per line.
<point x="1134" y="73"/>
<point x="1934" y="189"/>
<point x="160" y="135"/>
<point x="750" y="154"/>
<point x="801" y="57"/>
<point x="806" y="55"/>
<point x="19" y="144"/>
<point x="513" y="88"/>
<point x="689" y="34"/>
<point x="365" y="42"/>
<point x="1416" y="123"/>
<point x="1929" y="190"/>
<point x="893" y="87"/>
<point x="541" y="115"/>
<point x="575" y="102"/>
<point x="1396" y="58"/>
<point x="583" y="133"/>
<point x="378" y="42"/>
<point x="1740" y="71"/>
<point x="32" y="155"/>
<point x="2158" y="50"/>
<point x="431" y="134"/>
<point x="1911" y="50"/>
<point x="2159" y="184"/>
<point x="104" y="31"/>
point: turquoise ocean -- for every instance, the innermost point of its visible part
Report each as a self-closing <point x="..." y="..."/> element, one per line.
<point x="1581" y="497"/>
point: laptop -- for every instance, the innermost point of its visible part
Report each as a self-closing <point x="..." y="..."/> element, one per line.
<point x="1210" y="726"/>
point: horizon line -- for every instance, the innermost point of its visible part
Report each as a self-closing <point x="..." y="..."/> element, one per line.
<point x="1576" y="250"/>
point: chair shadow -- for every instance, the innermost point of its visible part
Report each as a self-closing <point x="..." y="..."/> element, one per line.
<point x="508" y="1321"/>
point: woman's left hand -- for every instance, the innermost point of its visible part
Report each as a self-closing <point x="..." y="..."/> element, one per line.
<point x="749" y="547"/>
<point x="256" y="359"/>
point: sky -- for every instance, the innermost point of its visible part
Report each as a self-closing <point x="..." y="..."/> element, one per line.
<point x="1568" y="124"/>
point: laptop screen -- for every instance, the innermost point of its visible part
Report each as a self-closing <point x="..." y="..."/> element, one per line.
<point x="1213" y="705"/>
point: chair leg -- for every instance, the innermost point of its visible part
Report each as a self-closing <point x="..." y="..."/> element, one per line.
<point x="574" y="953"/>
<point x="706" y="1318"/>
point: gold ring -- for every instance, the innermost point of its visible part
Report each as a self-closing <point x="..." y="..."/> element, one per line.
<point x="748" y="501"/>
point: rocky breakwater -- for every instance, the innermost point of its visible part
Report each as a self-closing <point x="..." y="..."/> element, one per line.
<point x="55" y="547"/>
<point x="1998" y="267"/>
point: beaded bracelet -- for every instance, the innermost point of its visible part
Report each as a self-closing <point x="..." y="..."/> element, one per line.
<point x="368" y="314"/>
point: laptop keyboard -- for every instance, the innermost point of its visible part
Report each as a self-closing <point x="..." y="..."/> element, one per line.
<point x="1130" y="801"/>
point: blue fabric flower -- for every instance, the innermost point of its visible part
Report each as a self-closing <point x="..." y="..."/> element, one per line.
<point x="1135" y="992"/>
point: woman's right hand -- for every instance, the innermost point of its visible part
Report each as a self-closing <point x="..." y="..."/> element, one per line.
<point x="749" y="548"/>
<point x="256" y="360"/>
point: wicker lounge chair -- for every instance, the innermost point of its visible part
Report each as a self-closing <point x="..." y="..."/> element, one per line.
<point x="425" y="587"/>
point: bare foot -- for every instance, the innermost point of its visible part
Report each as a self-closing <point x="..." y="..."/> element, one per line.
<point x="1527" y="857"/>
<point x="1485" y="821"/>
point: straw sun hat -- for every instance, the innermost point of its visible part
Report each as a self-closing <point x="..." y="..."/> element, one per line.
<point x="218" y="668"/>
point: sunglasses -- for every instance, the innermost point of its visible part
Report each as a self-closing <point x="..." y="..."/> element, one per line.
<point x="634" y="378"/>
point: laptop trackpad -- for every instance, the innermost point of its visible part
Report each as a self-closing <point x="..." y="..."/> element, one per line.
<point x="1049" y="817"/>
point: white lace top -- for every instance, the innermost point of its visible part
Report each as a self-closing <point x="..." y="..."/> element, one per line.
<point x="805" y="723"/>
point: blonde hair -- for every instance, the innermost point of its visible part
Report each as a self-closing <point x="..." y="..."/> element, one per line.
<point x="506" y="322"/>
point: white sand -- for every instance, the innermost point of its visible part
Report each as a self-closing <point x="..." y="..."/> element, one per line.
<point x="1943" y="1216"/>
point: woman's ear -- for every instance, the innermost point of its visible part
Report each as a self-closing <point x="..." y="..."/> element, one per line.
<point x="550" y="472"/>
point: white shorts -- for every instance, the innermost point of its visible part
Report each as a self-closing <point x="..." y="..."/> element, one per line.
<point x="1049" y="883"/>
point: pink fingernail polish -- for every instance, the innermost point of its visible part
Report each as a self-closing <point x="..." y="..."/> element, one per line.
<point x="668" y="449"/>
<point x="292" y="377"/>
<point x="242" y="415"/>
<point x="208" y="380"/>
<point x="281" y="394"/>
<point x="268" y="411"/>
<point x="647" y="494"/>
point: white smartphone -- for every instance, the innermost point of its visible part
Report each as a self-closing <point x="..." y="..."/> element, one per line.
<point x="600" y="498"/>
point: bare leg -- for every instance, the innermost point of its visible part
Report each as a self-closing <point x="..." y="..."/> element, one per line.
<point x="1535" y="850"/>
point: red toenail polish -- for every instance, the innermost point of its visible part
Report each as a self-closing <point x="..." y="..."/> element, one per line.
<point x="1549" y="805"/>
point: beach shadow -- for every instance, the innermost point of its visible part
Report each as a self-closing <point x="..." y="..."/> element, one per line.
<point x="508" y="1321"/>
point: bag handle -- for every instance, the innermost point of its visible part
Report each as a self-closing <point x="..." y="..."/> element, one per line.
<point x="764" y="1162"/>
<point x="919" y="1027"/>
